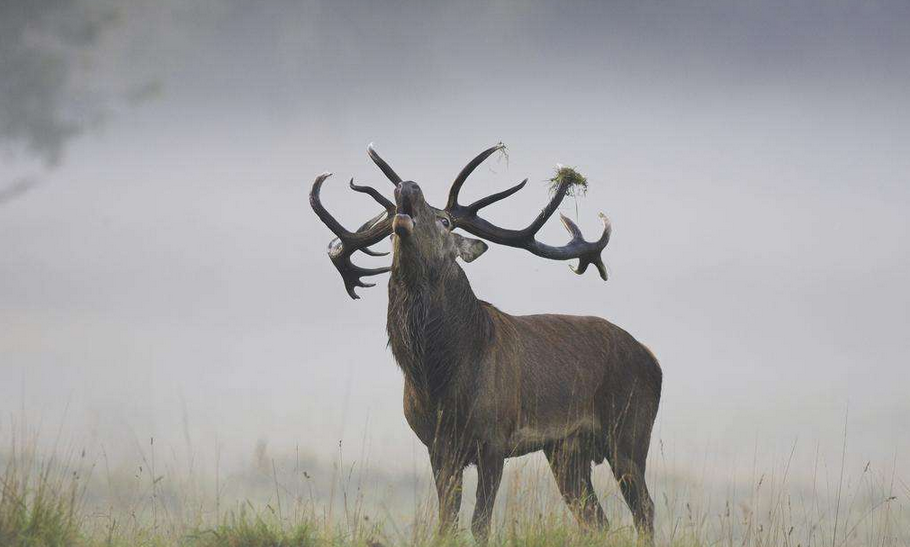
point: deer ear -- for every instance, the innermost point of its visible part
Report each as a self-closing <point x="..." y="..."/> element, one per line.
<point x="468" y="248"/>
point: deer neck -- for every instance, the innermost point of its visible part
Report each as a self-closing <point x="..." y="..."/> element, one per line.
<point x="436" y="326"/>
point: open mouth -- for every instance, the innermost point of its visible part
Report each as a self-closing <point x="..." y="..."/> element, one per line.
<point x="403" y="223"/>
<point x="406" y="194"/>
<point x="405" y="207"/>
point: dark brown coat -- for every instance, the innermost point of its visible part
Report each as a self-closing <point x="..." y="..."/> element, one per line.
<point x="482" y="385"/>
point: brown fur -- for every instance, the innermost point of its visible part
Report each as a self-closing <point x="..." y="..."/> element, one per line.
<point x="482" y="385"/>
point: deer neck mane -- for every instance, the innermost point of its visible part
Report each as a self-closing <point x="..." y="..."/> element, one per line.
<point x="436" y="326"/>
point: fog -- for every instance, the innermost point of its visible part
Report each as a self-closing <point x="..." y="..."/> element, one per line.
<point x="168" y="279"/>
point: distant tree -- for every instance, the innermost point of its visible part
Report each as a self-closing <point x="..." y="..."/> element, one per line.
<point x="43" y="45"/>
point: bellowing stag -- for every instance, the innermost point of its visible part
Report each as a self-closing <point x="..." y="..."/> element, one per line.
<point x="482" y="385"/>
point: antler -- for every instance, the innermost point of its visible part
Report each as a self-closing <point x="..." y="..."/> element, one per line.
<point x="341" y="248"/>
<point x="465" y="217"/>
<point x="383" y="166"/>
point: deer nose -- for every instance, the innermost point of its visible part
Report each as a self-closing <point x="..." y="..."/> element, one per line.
<point x="406" y="188"/>
<point x="407" y="193"/>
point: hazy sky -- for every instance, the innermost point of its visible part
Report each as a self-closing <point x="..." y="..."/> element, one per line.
<point x="754" y="159"/>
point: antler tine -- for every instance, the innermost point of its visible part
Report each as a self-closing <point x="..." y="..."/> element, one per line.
<point x="383" y="166"/>
<point x="374" y="193"/>
<point x="320" y="211"/>
<point x="466" y="172"/>
<point x="342" y="247"/>
<point x="591" y="254"/>
<point x="386" y="204"/>
<point x="548" y="211"/>
<point x="493" y="198"/>
<point x="368" y="224"/>
<point x="466" y="218"/>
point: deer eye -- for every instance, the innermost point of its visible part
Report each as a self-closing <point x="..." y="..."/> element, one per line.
<point x="444" y="221"/>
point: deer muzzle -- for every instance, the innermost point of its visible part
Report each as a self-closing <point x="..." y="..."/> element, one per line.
<point x="403" y="225"/>
<point x="405" y="196"/>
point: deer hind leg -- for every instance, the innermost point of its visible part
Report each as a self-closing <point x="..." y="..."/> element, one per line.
<point x="571" y="466"/>
<point x="630" y="474"/>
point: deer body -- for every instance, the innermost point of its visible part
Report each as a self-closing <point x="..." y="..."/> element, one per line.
<point x="482" y="385"/>
<point x="524" y="381"/>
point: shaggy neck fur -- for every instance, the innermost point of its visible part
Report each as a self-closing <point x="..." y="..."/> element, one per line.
<point x="436" y="325"/>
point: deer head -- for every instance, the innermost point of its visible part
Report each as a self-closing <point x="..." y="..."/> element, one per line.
<point x="423" y="235"/>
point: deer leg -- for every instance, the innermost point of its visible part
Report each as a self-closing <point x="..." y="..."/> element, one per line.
<point x="489" y="474"/>
<point x="572" y="469"/>
<point x="447" y="474"/>
<point x="630" y="475"/>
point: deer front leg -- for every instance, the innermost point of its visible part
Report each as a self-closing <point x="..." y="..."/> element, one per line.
<point x="447" y="473"/>
<point x="489" y="474"/>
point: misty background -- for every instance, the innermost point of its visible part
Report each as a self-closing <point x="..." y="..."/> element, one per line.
<point x="162" y="274"/>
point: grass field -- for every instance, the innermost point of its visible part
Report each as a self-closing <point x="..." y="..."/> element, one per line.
<point x="55" y="497"/>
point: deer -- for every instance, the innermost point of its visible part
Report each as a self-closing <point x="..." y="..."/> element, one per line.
<point x="481" y="385"/>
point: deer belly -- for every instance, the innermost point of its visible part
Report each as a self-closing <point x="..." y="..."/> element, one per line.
<point x="531" y="437"/>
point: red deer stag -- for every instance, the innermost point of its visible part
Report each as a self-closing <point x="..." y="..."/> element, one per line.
<point x="482" y="385"/>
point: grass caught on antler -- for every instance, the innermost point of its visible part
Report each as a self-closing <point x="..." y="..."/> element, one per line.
<point x="578" y="183"/>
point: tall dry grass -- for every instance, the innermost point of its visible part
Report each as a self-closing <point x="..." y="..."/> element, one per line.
<point x="40" y="499"/>
<point x="63" y="497"/>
